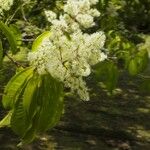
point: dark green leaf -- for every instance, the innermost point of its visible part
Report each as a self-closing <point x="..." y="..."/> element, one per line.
<point x="19" y="120"/>
<point x="31" y="132"/>
<point x="145" y="86"/>
<point x="107" y="72"/>
<point x="51" y="103"/>
<point x="14" y="29"/>
<point x="10" y="37"/>
<point x="1" y="53"/>
<point x="112" y="79"/>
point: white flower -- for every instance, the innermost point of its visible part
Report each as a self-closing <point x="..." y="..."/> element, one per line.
<point x="103" y="57"/>
<point x="85" y="20"/>
<point x="74" y="26"/>
<point x="94" y="13"/>
<point x="84" y="6"/>
<point x="68" y="53"/>
<point x="50" y="15"/>
<point x="71" y="7"/>
<point x="93" y="2"/>
<point x="95" y="40"/>
<point x="5" y="5"/>
<point x="60" y="24"/>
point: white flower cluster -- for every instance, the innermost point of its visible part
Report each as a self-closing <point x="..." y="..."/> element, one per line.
<point x="68" y="53"/>
<point x="50" y="15"/>
<point x="5" y="5"/>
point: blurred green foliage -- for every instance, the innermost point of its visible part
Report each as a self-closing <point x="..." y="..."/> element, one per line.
<point x="126" y="25"/>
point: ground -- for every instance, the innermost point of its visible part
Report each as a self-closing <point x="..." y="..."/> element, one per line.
<point x="118" y="122"/>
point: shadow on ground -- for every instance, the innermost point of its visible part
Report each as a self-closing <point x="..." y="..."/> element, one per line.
<point x="118" y="122"/>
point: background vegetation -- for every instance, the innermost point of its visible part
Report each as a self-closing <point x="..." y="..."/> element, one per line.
<point x="118" y="113"/>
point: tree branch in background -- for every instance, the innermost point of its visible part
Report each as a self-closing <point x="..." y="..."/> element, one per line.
<point x="17" y="64"/>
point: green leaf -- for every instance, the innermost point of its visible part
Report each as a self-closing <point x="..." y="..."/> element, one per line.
<point x="145" y="86"/>
<point x="6" y="120"/>
<point x="19" y="121"/>
<point x="142" y="60"/>
<point x="112" y="79"/>
<point x="100" y="71"/>
<point x="107" y="72"/>
<point x="10" y="37"/>
<point x="133" y="67"/>
<point x="38" y="41"/>
<point x="31" y="132"/>
<point x="30" y="98"/>
<point x="1" y="53"/>
<point x="15" y="87"/>
<point x="127" y="58"/>
<point x="14" y="29"/>
<point x="40" y="108"/>
<point x="23" y="124"/>
<point x="29" y="136"/>
<point x="51" y="103"/>
<point x="140" y="63"/>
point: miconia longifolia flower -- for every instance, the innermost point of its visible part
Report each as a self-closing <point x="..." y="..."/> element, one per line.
<point x="5" y="5"/>
<point x="68" y="53"/>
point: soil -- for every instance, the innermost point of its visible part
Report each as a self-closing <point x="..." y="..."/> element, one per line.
<point x="116" y="122"/>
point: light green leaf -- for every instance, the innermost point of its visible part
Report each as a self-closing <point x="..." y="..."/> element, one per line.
<point x="133" y="67"/>
<point x="6" y="120"/>
<point x="38" y="41"/>
<point x="142" y="60"/>
<point x="15" y="87"/>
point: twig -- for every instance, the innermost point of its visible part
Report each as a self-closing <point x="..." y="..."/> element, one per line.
<point x="143" y="76"/>
<point x="11" y="17"/>
<point x="14" y="61"/>
<point x="23" y="13"/>
<point x="28" y="40"/>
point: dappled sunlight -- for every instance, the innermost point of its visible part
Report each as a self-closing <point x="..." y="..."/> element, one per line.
<point x="74" y="75"/>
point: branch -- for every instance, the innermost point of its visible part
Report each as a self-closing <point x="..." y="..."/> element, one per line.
<point x="144" y="76"/>
<point x="14" y="61"/>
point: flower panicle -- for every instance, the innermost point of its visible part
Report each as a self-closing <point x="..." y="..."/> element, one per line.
<point x="68" y="53"/>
